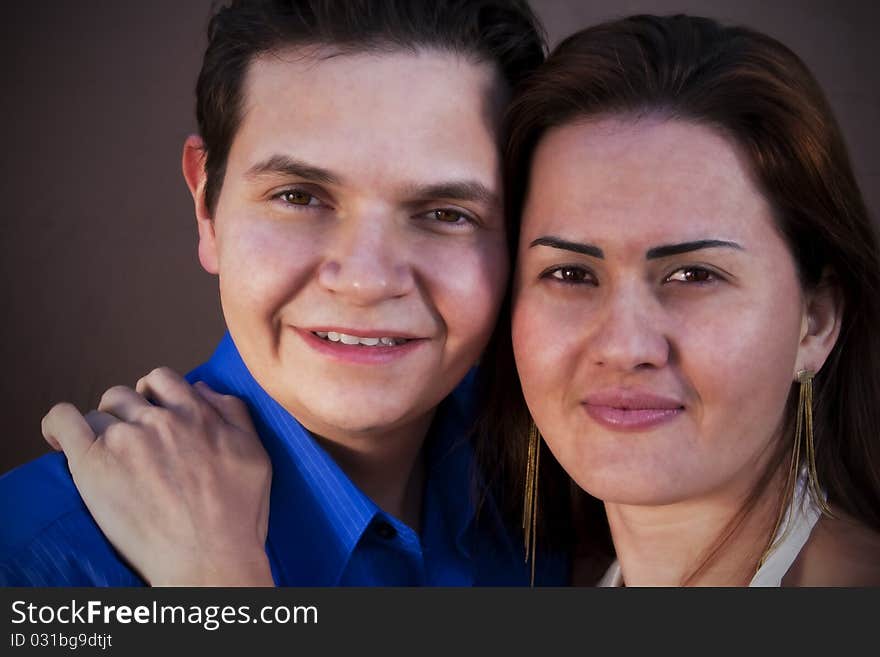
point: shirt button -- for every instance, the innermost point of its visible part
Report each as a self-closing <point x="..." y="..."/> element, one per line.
<point x="384" y="530"/>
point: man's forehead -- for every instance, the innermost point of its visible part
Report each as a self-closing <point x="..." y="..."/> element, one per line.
<point x="422" y="116"/>
<point x="331" y="71"/>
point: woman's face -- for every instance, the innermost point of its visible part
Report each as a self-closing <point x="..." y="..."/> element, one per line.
<point x="658" y="320"/>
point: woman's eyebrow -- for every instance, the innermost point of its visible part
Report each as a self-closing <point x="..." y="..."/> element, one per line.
<point x="663" y="251"/>
<point x="685" y="247"/>
<point x="566" y="245"/>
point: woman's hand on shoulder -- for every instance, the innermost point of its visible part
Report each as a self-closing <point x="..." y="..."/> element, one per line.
<point x="175" y="476"/>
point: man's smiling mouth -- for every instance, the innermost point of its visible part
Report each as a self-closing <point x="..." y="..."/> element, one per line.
<point x="345" y="338"/>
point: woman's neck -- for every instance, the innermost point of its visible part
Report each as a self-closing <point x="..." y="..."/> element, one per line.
<point x="668" y="545"/>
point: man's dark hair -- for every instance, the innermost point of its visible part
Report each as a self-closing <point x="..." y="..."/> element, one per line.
<point x="505" y="33"/>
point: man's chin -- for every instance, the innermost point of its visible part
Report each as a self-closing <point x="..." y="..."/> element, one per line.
<point x="349" y="424"/>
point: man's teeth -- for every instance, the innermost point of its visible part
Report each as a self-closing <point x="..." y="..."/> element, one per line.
<point x="344" y="338"/>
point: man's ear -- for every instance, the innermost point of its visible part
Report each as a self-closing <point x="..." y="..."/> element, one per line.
<point x="823" y="314"/>
<point x="193" y="163"/>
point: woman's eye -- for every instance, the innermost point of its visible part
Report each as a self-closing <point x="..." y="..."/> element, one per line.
<point x="571" y="275"/>
<point x="297" y="197"/>
<point x="692" y="275"/>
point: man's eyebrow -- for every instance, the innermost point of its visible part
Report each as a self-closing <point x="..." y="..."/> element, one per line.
<point x="288" y="166"/>
<point x="457" y="190"/>
<point x="565" y="245"/>
<point x="686" y="247"/>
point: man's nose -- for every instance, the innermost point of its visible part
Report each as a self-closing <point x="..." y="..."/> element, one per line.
<point x="629" y="331"/>
<point x="369" y="260"/>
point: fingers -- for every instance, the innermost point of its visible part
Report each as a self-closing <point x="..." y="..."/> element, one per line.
<point x="66" y="429"/>
<point x="124" y="403"/>
<point x="168" y="389"/>
<point x="231" y="409"/>
<point x="99" y="421"/>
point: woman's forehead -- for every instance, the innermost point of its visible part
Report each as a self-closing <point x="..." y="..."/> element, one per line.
<point x="647" y="177"/>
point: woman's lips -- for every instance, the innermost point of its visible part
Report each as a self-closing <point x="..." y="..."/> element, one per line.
<point x="628" y="410"/>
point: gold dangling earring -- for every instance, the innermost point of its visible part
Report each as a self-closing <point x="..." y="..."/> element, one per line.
<point x="530" y="505"/>
<point x="803" y="435"/>
<point x="804" y="425"/>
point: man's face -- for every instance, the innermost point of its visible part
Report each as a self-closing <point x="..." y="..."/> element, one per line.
<point x="358" y="235"/>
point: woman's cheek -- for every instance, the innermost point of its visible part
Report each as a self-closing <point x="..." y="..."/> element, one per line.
<point x="540" y="343"/>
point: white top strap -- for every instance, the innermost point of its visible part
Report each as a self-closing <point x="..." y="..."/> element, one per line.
<point x="613" y="577"/>
<point x="795" y="530"/>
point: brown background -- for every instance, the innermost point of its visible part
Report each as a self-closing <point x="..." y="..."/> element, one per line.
<point x="98" y="261"/>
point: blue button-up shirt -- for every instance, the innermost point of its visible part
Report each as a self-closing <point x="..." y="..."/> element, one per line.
<point x="323" y="530"/>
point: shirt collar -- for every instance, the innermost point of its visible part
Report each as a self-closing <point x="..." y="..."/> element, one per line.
<point x="317" y="514"/>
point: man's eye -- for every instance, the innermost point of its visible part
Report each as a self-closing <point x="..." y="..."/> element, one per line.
<point x="447" y="220"/>
<point x="571" y="275"/>
<point x="297" y="197"/>
<point x="447" y="216"/>
<point x="692" y="275"/>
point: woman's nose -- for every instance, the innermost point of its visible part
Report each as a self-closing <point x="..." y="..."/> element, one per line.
<point x="628" y="331"/>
